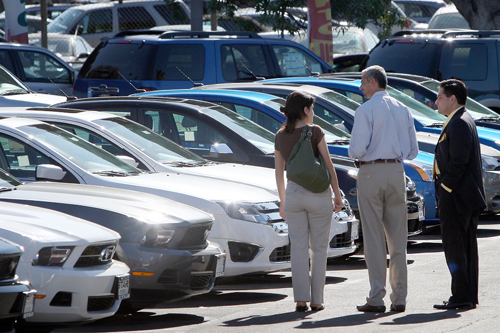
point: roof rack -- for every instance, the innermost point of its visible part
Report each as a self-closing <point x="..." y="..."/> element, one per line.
<point x="139" y="32"/>
<point x="420" y="32"/>
<point x="206" y="34"/>
<point x="478" y="33"/>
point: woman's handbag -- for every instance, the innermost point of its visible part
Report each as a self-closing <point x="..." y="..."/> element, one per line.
<point x="304" y="168"/>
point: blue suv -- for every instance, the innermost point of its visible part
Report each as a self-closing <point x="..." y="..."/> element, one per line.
<point x="151" y="60"/>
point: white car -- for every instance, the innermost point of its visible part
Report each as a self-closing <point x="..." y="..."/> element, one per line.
<point x="68" y="261"/>
<point x="247" y="223"/>
<point x="153" y="152"/>
<point x="163" y="242"/>
<point x="13" y="93"/>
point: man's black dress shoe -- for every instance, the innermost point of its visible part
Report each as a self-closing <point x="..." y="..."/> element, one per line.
<point x="398" y="308"/>
<point x="450" y="306"/>
<point x="371" y="308"/>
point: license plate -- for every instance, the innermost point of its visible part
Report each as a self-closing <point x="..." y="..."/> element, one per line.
<point x="221" y="265"/>
<point x="421" y="211"/>
<point x="29" y="304"/>
<point x="355" y="230"/>
<point x="123" y="287"/>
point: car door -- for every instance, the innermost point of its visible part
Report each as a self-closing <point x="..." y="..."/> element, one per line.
<point x="43" y="72"/>
<point x="20" y="159"/>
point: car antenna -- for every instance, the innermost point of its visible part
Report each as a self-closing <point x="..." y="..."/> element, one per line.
<point x="68" y="98"/>
<point x="187" y="77"/>
<point x="310" y="71"/>
<point x="258" y="78"/>
<point x="136" y="90"/>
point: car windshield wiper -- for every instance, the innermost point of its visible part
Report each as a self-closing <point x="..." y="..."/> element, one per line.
<point x="435" y="125"/>
<point x="6" y="189"/>
<point x="111" y="173"/>
<point x="183" y="164"/>
<point x="15" y="92"/>
<point x="339" y="142"/>
<point x="489" y="118"/>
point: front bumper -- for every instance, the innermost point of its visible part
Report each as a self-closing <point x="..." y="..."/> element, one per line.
<point x="12" y="305"/>
<point x="492" y="191"/>
<point x="250" y="247"/>
<point x="67" y="295"/>
<point x="416" y="215"/>
<point x="160" y="275"/>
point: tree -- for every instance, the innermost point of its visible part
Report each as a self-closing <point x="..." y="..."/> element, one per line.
<point x="481" y="14"/>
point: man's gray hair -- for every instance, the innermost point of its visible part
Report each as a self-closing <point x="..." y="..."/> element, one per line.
<point x="378" y="73"/>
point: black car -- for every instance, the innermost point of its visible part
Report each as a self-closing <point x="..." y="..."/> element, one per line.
<point x="197" y="125"/>
<point x="471" y="56"/>
<point x="16" y="299"/>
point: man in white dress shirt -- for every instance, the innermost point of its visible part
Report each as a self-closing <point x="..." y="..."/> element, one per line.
<point x="383" y="136"/>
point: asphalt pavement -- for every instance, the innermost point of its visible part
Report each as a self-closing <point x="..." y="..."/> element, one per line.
<point x="264" y="303"/>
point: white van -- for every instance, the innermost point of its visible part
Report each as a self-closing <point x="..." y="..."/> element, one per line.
<point x="95" y="22"/>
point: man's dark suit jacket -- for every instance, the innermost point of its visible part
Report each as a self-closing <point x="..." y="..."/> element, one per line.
<point x="458" y="158"/>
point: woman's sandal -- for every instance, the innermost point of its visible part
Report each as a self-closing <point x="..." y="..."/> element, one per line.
<point x="301" y="308"/>
<point x="317" y="308"/>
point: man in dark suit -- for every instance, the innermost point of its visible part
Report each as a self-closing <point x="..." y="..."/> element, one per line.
<point x="459" y="194"/>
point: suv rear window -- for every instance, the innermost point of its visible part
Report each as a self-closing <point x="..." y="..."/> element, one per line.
<point x="172" y="13"/>
<point x="108" y="60"/>
<point x="464" y="61"/>
<point x="176" y="61"/>
<point x="405" y="56"/>
<point x="134" y="18"/>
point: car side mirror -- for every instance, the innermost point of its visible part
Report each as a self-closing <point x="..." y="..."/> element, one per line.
<point x="342" y="127"/>
<point x="83" y="55"/>
<point x="49" y="172"/>
<point x="128" y="160"/>
<point x="220" y="150"/>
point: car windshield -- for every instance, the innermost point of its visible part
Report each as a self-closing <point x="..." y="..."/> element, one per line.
<point x="149" y="142"/>
<point x="7" y="180"/>
<point x="61" y="23"/>
<point x="422" y="113"/>
<point x="250" y="131"/>
<point x="347" y="104"/>
<point x="475" y="109"/>
<point x="10" y="85"/>
<point x="80" y="152"/>
<point x="332" y="133"/>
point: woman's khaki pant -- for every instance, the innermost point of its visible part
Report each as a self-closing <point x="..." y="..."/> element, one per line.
<point x="309" y="217"/>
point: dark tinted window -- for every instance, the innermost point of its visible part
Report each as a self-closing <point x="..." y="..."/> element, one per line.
<point x="6" y="60"/>
<point x="405" y="56"/>
<point x="128" y="59"/>
<point x="134" y="18"/>
<point x="464" y="61"/>
<point x="172" y="13"/>
<point x="95" y="22"/>
<point x="175" y="59"/>
<point x="243" y="62"/>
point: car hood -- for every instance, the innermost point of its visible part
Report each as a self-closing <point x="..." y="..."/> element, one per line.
<point x="26" y="224"/>
<point x="184" y="187"/>
<point x="30" y="100"/>
<point x="244" y="174"/>
<point x="144" y="207"/>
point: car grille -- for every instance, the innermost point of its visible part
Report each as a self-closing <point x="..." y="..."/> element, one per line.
<point x="200" y="280"/>
<point x="101" y="302"/>
<point x="195" y="236"/>
<point x="8" y="266"/>
<point x="343" y="239"/>
<point x="280" y="254"/>
<point x="271" y="213"/>
<point x="95" y="255"/>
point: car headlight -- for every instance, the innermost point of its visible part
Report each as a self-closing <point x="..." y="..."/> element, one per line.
<point x="489" y="163"/>
<point x="52" y="256"/>
<point x="266" y="213"/>
<point x="245" y="212"/>
<point x="424" y="170"/>
<point x="353" y="173"/>
<point x="158" y="237"/>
